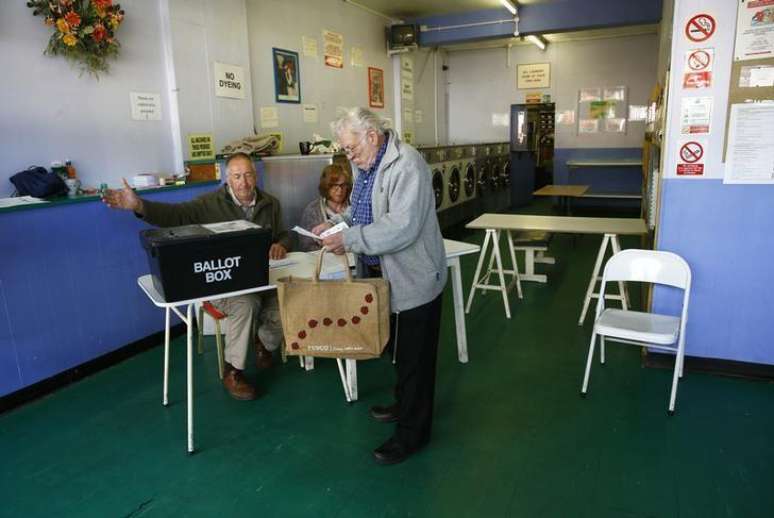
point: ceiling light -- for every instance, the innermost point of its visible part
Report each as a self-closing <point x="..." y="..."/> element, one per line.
<point x="537" y="40"/>
<point x="509" y="5"/>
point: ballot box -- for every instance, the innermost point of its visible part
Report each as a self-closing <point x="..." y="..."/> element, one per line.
<point x="194" y="261"/>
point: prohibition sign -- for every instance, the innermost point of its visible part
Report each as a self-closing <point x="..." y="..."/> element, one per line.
<point x="691" y="152"/>
<point x="700" y="27"/>
<point x="699" y="60"/>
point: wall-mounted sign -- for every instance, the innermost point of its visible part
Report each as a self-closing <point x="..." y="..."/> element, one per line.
<point x="333" y="43"/>
<point x="754" y="30"/>
<point x="697" y="71"/>
<point x="533" y="98"/>
<point x="145" y="106"/>
<point x="695" y="115"/>
<point x="690" y="158"/>
<point x="229" y="81"/>
<point x="201" y="146"/>
<point x="700" y="27"/>
<point x="535" y="75"/>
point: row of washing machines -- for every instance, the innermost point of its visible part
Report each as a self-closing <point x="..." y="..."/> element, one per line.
<point x="469" y="180"/>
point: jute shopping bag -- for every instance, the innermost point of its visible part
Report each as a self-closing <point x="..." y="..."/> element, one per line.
<point x="348" y="318"/>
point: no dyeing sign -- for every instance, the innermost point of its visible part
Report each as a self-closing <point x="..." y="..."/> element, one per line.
<point x="229" y="81"/>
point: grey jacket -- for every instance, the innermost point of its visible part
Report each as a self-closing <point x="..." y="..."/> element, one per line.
<point x="405" y="232"/>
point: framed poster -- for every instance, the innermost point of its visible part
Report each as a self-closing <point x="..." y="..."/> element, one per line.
<point x="287" y="79"/>
<point x="375" y="87"/>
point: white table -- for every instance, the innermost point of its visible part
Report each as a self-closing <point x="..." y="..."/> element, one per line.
<point x="146" y="283"/>
<point x="611" y="228"/>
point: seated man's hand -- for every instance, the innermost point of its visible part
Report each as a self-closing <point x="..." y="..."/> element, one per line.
<point x="277" y="251"/>
<point x="335" y="243"/>
<point x="322" y="227"/>
<point x="124" y="198"/>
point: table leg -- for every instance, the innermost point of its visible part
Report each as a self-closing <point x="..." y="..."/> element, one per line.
<point x="189" y="369"/>
<point x="352" y="378"/>
<point x="459" y="313"/>
<point x="622" y="290"/>
<point x="503" y="287"/>
<point x="515" y="272"/>
<point x="594" y="278"/>
<point x="165" y="391"/>
<point x="343" y="377"/>
<point x="480" y="263"/>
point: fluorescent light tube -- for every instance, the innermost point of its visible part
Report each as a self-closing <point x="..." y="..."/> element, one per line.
<point x="537" y="41"/>
<point x="508" y="5"/>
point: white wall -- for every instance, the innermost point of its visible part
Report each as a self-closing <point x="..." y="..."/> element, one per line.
<point x="205" y="32"/>
<point x="482" y="84"/>
<point x="281" y="24"/>
<point x="429" y="90"/>
<point x="50" y="113"/>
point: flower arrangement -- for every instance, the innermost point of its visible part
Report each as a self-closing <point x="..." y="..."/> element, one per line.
<point x="83" y="30"/>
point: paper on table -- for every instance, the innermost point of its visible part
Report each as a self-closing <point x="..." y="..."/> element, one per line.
<point x="19" y="200"/>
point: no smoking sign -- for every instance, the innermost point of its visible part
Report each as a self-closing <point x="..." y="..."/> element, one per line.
<point x="689" y="163"/>
<point x="697" y="72"/>
<point x="700" y="27"/>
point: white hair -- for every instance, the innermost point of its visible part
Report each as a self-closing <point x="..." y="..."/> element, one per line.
<point x="357" y="120"/>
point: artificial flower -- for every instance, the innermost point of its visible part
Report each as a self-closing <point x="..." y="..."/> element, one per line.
<point x="62" y="25"/>
<point x="102" y="4"/>
<point x="72" y="19"/>
<point x="70" y="40"/>
<point x="99" y="33"/>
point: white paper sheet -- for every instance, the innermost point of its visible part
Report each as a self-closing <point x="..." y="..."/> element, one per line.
<point x="750" y="153"/>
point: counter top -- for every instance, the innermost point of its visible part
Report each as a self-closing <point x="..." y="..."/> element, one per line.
<point x="65" y="200"/>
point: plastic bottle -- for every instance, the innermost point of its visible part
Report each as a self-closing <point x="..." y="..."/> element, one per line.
<point x="70" y="169"/>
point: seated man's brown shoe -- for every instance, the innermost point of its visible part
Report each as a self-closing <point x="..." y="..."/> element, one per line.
<point x="235" y="383"/>
<point x="263" y="359"/>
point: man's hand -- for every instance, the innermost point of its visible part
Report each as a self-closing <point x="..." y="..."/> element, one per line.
<point x="322" y="227"/>
<point x="125" y="199"/>
<point x="277" y="251"/>
<point x="335" y="243"/>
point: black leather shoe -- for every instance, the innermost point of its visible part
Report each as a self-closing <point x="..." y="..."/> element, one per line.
<point x="385" y="414"/>
<point x="391" y="452"/>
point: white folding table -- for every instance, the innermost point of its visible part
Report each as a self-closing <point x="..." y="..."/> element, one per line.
<point x="493" y="224"/>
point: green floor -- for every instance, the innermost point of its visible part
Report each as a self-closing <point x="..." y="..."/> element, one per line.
<point x="511" y="436"/>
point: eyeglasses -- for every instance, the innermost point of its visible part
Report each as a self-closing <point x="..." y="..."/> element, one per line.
<point x="342" y="186"/>
<point x="351" y="150"/>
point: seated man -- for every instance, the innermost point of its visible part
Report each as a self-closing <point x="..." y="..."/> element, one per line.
<point x="238" y="199"/>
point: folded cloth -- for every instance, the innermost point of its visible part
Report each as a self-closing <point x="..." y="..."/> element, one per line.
<point x="258" y="144"/>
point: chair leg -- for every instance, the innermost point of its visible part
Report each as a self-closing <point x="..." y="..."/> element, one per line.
<point x="219" y="347"/>
<point x="679" y="359"/>
<point x="588" y="364"/>
<point x="602" y="349"/>
<point x="200" y="331"/>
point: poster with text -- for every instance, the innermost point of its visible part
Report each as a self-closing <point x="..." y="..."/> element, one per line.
<point x="333" y="43"/>
<point x="287" y="78"/>
<point x="375" y="87"/>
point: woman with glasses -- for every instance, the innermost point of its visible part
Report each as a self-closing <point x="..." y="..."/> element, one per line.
<point x="335" y="187"/>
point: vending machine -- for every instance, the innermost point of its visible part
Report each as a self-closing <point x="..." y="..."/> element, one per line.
<point x="532" y="149"/>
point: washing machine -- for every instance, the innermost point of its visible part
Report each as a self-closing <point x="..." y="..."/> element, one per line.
<point x="437" y="162"/>
<point x="488" y="180"/>
<point x="502" y="170"/>
<point x="469" y="192"/>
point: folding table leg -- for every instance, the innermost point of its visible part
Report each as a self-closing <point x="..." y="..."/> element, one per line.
<point x="165" y="391"/>
<point x="481" y="257"/>
<point x="516" y="277"/>
<point x="503" y="288"/>
<point x="594" y="278"/>
<point x="621" y="285"/>
<point x="459" y="313"/>
<point x="189" y="368"/>
<point x="352" y="378"/>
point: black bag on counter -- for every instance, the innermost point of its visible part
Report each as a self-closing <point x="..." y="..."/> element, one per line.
<point x="36" y="181"/>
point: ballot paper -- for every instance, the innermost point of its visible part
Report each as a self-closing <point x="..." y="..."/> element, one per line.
<point x="333" y="230"/>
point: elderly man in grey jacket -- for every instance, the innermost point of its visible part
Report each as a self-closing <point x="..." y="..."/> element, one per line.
<point x="394" y="230"/>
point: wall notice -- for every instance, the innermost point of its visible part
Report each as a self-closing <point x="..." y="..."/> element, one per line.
<point x="750" y="153"/>
<point x="536" y="75"/>
<point x="145" y="106"/>
<point x="690" y="158"/>
<point x="229" y="81"/>
<point x="334" y="49"/>
<point x="697" y="71"/>
<point x="754" y="30"/>
<point x="201" y="146"/>
<point x="695" y="115"/>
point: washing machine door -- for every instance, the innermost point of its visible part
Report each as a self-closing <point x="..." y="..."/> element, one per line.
<point x="438" y="187"/>
<point x="455" y="184"/>
<point x="483" y="177"/>
<point x="505" y="173"/>
<point x="469" y="181"/>
<point x="494" y="176"/>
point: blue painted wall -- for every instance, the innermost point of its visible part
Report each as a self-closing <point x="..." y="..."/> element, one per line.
<point x="724" y="232"/>
<point x="601" y="179"/>
<point x="68" y="287"/>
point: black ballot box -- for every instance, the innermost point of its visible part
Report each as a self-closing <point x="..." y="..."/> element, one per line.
<point x="193" y="261"/>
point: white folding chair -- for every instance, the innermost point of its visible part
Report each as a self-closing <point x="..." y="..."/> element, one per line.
<point x="652" y="330"/>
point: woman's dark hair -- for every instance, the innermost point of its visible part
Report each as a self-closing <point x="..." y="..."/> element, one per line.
<point x="331" y="173"/>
